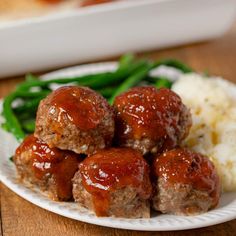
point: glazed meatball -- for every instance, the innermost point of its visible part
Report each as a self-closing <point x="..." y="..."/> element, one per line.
<point x="114" y="182"/>
<point x="186" y="183"/>
<point x="49" y="168"/>
<point x="150" y="120"/>
<point x="75" y="118"/>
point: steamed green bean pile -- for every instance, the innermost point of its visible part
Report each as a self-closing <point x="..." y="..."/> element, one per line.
<point x="20" y="107"/>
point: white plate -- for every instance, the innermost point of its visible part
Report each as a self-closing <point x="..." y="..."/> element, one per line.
<point x="107" y="30"/>
<point x="224" y="212"/>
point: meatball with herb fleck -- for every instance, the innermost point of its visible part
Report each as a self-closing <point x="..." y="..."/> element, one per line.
<point x="150" y="120"/>
<point x="50" y="169"/>
<point x="75" y="118"/>
<point x="186" y="183"/>
<point x="114" y="182"/>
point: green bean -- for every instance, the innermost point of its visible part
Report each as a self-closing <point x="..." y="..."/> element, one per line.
<point x="152" y="79"/>
<point x="163" y="83"/>
<point x="95" y="81"/>
<point x="25" y="116"/>
<point x="5" y="127"/>
<point x="12" y="122"/>
<point x="174" y="63"/>
<point x="129" y="73"/>
<point x="31" y="77"/>
<point x="29" y="94"/>
<point x="126" y="60"/>
<point x="116" y="77"/>
<point x="107" y="92"/>
<point x="38" y="83"/>
<point x="132" y="80"/>
<point x="29" y="106"/>
<point x="29" y="126"/>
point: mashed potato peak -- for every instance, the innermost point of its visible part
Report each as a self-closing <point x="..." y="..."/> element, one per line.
<point x="213" y="106"/>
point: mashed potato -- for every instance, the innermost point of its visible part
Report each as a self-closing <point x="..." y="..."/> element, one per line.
<point x="213" y="106"/>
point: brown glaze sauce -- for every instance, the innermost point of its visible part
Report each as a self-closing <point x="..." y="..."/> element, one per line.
<point x="61" y="165"/>
<point x="112" y="169"/>
<point x="187" y="167"/>
<point x="147" y="112"/>
<point x="82" y="106"/>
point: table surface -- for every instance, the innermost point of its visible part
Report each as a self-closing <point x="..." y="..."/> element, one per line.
<point x="19" y="217"/>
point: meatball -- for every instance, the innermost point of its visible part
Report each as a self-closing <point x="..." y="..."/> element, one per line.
<point x="186" y="183"/>
<point x="49" y="168"/>
<point x="150" y="120"/>
<point x="75" y="118"/>
<point x="114" y="182"/>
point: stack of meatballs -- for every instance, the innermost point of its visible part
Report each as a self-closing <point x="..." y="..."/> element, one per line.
<point x="119" y="160"/>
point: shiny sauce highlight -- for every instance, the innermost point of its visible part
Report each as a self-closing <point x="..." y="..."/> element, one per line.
<point x="82" y="106"/>
<point x="147" y="112"/>
<point x="44" y="161"/>
<point x="113" y="169"/>
<point x="186" y="167"/>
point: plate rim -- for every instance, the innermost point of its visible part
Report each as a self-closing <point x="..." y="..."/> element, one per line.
<point x="100" y="220"/>
<point x="120" y="223"/>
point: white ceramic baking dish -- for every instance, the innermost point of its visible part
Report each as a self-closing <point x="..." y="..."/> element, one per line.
<point x="110" y="29"/>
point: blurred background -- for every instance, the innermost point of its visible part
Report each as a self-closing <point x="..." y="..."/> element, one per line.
<point x="38" y="36"/>
<point x="41" y="35"/>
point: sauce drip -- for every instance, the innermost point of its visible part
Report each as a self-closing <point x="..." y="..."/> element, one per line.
<point x="148" y="112"/>
<point x="112" y="169"/>
<point x="187" y="167"/>
<point x="45" y="162"/>
<point x="82" y="106"/>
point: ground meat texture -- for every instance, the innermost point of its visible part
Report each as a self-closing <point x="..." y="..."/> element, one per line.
<point x="49" y="168"/>
<point x="186" y="183"/>
<point x="75" y="118"/>
<point x="150" y="120"/>
<point x="114" y="182"/>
